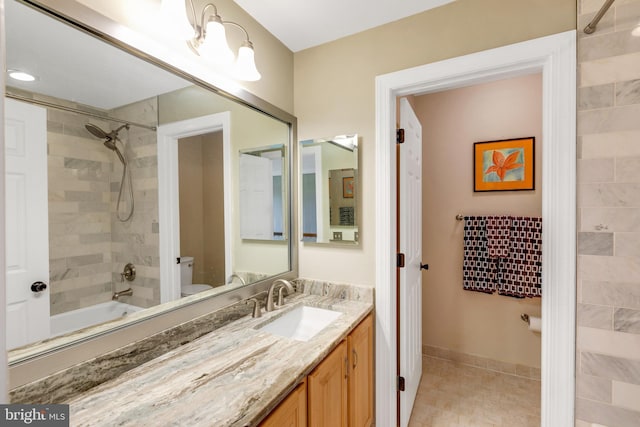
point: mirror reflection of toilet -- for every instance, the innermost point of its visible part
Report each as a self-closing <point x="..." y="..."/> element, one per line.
<point x="186" y="276"/>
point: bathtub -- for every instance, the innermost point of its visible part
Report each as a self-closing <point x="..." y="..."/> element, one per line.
<point x="89" y="316"/>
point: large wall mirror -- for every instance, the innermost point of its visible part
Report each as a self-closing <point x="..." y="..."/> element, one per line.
<point x="329" y="187"/>
<point x="124" y="187"/>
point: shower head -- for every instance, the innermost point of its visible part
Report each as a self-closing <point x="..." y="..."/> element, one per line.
<point x="110" y="138"/>
<point x="96" y="131"/>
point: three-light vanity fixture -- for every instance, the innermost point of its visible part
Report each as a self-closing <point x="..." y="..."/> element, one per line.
<point x="207" y="37"/>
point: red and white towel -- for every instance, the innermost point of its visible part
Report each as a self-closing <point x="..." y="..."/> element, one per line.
<point x="498" y="228"/>
<point x="503" y="254"/>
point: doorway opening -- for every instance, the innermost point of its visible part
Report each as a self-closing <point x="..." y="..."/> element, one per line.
<point x="477" y="353"/>
<point x="554" y="57"/>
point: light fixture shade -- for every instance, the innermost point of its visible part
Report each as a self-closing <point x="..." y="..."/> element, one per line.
<point x="215" y="47"/>
<point x="246" y="65"/>
<point x="174" y="15"/>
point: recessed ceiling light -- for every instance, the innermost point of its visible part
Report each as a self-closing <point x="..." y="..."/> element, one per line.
<point x="21" y="75"/>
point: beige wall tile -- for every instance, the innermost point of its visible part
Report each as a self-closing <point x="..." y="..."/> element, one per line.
<point x="626" y="395"/>
<point x="603" y="268"/>
<point x="595" y="316"/>
<point x="609" y="194"/>
<point x="610" y="219"/>
<point x="605" y="415"/>
<point x="627" y="244"/>
<point x="610" y="293"/>
<point x="595" y="170"/>
<point x="593" y="388"/>
<point x="611" y="144"/>
<point x="628" y="169"/>
<point x="610" y="70"/>
<point x="615" y="344"/>
<point x="605" y="120"/>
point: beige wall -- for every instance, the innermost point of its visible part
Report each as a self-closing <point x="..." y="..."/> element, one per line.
<point x="486" y="325"/>
<point x="249" y="129"/>
<point x="334" y="91"/>
<point x="273" y="59"/>
<point x="608" y="341"/>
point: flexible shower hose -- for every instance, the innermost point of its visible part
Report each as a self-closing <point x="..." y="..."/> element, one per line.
<point x="125" y="175"/>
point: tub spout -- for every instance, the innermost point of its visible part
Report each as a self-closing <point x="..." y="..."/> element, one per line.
<point x="126" y="292"/>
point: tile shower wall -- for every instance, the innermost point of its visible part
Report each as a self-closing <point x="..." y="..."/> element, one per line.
<point x="88" y="246"/>
<point x="137" y="240"/>
<point x="608" y="318"/>
<point x="79" y="171"/>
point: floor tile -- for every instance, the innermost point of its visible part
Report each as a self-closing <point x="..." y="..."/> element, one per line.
<point x="451" y="394"/>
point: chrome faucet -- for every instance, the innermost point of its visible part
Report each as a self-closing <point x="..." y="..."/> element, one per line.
<point x="283" y="284"/>
<point x="235" y="276"/>
<point x="126" y="292"/>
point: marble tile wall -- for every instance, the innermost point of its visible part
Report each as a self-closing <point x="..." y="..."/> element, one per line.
<point x="137" y="240"/>
<point x="88" y="246"/>
<point x="79" y="174"/>
<point x="608" y="316"/>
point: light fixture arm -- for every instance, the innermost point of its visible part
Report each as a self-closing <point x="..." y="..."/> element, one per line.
<point x="217" y="45"/>
<point x="201" y="24"/>
<point x="246" y="34"/>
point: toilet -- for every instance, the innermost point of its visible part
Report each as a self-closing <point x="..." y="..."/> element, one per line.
<point x="186" y="276"/>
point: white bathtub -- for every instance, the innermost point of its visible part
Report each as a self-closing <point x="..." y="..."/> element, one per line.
<point x="89" y="316"/>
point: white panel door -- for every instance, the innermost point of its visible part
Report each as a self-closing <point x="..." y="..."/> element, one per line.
<point x="27" y="216"/>
<point x="410" y="239"/>
<point x="256" y="198"/>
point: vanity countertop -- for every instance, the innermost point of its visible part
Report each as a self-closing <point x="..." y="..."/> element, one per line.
<point x="233" y="376"/>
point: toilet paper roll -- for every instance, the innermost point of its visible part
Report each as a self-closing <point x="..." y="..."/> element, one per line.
<point x="535" y="324"/>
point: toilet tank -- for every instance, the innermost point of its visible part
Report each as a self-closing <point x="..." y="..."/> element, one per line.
<point x="186" y="270"/>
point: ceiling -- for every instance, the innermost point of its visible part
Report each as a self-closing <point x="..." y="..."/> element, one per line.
<point x="301" y="24"/>
<point x="99" y="75"/>
<point x="77" y="67"/>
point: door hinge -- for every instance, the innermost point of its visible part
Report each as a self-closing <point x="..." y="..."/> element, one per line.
<point x="401" y="383"/>
<point x="400" y="260"/>
<point x="399" y="136"/>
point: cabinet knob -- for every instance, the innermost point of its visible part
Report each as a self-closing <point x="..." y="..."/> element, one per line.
<point x="38" y="286"/>
<point x="355" y="358"/>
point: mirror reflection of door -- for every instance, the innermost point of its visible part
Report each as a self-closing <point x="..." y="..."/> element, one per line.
<point x="262" y="194"/>
<point x="201" y="177"/>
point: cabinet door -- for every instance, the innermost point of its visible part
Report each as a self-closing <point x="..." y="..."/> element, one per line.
<point x="360" y="347"/>
<point x="292" y="412"/>
<point x="327" y="393"/>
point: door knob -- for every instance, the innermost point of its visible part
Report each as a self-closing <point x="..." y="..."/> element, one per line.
<point x="424" y="266"/>
<point x="38" y="286"/>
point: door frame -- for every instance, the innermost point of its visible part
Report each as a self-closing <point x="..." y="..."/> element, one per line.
<point x="555" y="57"/>
<point x="169" y="197"/>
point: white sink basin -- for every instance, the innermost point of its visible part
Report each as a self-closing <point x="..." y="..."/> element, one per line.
<point x="302" y="323"/>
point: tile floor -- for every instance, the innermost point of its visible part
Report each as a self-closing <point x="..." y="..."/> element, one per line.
<point x="455" y="395"/>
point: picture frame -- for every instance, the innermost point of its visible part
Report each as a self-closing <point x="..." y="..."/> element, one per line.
<point x="347" y="187"/>
<point x="504" y="165"/>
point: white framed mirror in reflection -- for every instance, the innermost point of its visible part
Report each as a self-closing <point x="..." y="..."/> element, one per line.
<point x="329" y="190"/>
<point x="122" y="193"/>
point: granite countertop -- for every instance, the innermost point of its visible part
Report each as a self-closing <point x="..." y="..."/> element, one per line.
<point x="233" y="376"/>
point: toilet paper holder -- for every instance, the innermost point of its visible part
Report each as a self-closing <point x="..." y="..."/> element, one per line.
<point x="525" y="318"/>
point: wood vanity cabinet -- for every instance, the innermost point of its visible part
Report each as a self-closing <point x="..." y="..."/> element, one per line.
<point x="338" y="392"/>
<point x="292" y="412"/>
<point x="327" y="392"/>
<point x="360" y="352"/>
